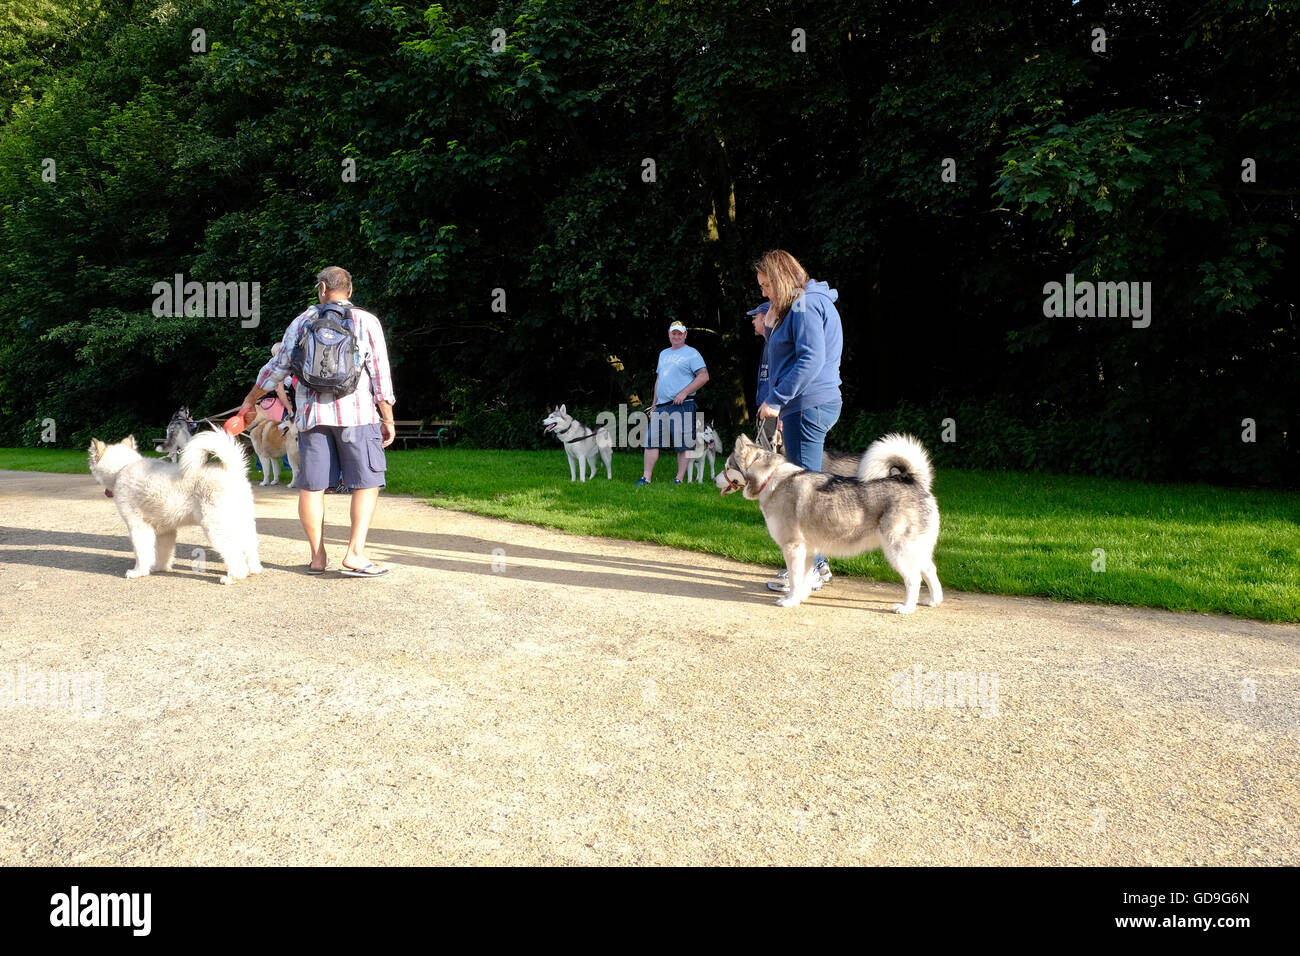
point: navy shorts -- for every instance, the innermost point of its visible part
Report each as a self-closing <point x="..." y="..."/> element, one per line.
<point x="357" y="449"/>
<point x="672" y="427"/>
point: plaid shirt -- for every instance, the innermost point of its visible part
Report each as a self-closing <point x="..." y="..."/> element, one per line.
<point x="356" y="408"/>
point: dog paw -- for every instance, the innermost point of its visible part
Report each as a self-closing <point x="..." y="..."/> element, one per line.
<point x="254" y="569"/>
<point x="933" y="603"/>
<point x="224" y="579"/>
<point x="904" y="609"/>
<point x="788" y="601"/>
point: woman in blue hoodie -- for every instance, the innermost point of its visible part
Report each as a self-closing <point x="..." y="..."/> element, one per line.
<point x="804" y="342"/>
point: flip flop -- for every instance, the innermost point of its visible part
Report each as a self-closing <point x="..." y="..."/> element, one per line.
<point x="369" y="571"/>
<point x="311" y="570"/>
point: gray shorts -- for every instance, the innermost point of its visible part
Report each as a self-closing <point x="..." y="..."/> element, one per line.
<point x="357" y="449"/>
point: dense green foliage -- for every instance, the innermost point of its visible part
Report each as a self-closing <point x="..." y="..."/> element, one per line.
<point x="515" y="161"/>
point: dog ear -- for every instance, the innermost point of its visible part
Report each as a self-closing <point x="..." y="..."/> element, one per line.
<point x="562" y="410"/>
<point x="96" y="450"/>
<point x="129" y="442"/>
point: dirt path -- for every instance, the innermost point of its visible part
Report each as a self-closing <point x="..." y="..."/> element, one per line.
<point x="596" y="701"/>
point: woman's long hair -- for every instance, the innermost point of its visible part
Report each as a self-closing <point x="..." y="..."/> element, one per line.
<point x="786" y="278"/>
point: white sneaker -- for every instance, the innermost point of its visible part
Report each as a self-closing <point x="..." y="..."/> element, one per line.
<point x="823" y="568"/>
<point x="781" y="583"/>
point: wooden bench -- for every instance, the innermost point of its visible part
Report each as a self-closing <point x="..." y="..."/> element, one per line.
<point x="415" y="430"/>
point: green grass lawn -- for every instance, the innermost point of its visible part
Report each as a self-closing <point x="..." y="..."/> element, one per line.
<point x="1183" y="547"/>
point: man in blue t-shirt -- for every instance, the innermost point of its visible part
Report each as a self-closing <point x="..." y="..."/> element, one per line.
<point x="680" y="375"/>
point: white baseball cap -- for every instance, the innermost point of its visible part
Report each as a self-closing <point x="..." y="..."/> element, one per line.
<point x="677" y="327"/>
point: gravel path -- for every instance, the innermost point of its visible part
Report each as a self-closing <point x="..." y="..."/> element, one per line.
<point x="596" y="701"/>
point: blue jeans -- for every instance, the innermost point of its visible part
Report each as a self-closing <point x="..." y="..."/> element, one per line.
<point x="804" y="432"/>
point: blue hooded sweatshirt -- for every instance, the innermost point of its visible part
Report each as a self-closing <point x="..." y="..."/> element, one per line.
<point x="804" y="352"/>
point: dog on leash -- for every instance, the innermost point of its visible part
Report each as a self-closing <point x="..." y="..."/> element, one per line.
<point x="583" y="445"/>
<point x="272" y="440"/>
<point x="178" y="434"/>
<point x="887" y="506"/>
<point x="155" y="498"/>
<point x="707" y="446"/>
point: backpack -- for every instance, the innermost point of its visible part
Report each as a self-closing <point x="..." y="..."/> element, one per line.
<point x="326" y="356"/>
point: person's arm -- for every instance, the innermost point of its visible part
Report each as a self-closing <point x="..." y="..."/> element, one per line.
<point x="809" y="356"/>
<point x="381" y="383"/>
<point x="700" y="378"/>
<point x="272" y="373"/>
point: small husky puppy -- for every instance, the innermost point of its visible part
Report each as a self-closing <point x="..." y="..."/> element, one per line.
<point x="178" y="434"/>
<point x="582" y="444"/>
<point x="271" y="440"/>
<point x="887" y="506"/>
<point x="155" y="497"/>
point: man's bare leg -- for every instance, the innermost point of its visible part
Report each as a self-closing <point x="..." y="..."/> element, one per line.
<point x="311" y="512"/>
<point x="364" y="501"/>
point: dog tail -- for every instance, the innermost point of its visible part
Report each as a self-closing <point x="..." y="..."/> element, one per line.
<point x="901" y="452"/>
<point x="214" y="442"/>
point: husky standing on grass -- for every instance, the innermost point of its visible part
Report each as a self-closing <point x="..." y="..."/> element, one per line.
<point x="887" y="506"/>
<point x="707" y="445"/>
<point x="581" y="444"/>
<point x="155" y="498"/>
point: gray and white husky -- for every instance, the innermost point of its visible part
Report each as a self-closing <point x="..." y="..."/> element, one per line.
<point x="155" y="497"/>
<point x="887" y="506"/>
<point x="581" y="444"/>
<point x="178" y="434"/>
<point x="707" y="446"/>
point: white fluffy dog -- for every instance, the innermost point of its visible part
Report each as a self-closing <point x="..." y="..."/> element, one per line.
<point x="155" y="497"/>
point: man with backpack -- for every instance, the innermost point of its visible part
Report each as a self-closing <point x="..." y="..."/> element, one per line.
<point x="345" y="413"/>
